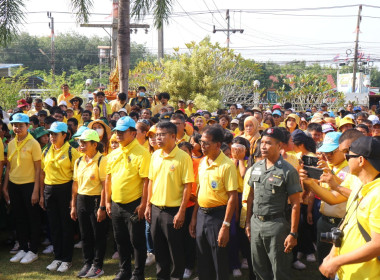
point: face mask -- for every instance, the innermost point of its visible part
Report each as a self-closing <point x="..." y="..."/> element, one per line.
<point x="100" y="131"/>
<point x="141" y="94"/>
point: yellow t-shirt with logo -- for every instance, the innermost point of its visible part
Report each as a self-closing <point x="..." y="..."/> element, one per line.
<point x="368" y="214"/>
<point x="30" y="153"/>
<point x="168" y="175"/>
<point x="128" y="167"/>
<point x="90" y="175"/>
<point x="57" y="165"/>
<point x="215" y="181"/>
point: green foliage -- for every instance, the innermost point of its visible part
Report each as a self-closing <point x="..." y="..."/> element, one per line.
<point x="10" y="88"/>
<point x="307" y="90"/>
<point x="375" y="77"/>
<point x="11" y="16"/>
<point x="147" y="74"/>
<point x="72" y="51"/>
<point x="161" y="10"/>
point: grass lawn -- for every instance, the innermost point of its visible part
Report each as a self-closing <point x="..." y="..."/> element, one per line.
<point x="37" y="270"/>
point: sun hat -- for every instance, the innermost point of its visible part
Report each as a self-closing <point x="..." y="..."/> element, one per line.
<point x="89" y="135"/>
<point x="22" y="103"/>
<point x="19" y="118"/>
<point x="330" y="142"/>
<point x="106" y="127"/>
<point x="80" y="131"/>
<point x="124" y="123"/>
<point x="39" y="132"/>
<point x="57" y="127"/>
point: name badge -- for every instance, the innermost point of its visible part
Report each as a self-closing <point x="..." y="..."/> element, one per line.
<point x="256" y="172"/>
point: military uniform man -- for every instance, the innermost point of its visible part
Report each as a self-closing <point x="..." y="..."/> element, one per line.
<point x="273" y="181"/>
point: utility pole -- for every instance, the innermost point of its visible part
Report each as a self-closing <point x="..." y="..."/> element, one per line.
<point x="228" y="30"/>
<point x="52" y="59"/>
<point x="356" y="49"/>
<point x="161" y="42"/>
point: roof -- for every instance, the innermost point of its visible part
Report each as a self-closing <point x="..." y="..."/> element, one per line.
<point x="5" y="66"/>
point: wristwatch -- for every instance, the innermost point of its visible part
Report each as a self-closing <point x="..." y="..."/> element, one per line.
<point x="227" y="224"/>
<point x="294" y="234"/>
<point x="103" y="208"/>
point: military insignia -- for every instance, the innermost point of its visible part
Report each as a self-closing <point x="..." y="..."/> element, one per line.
<point x="256" y="172"/>
<point x="270" y="131"/>
<point x="172" y="168"/>
<point x="270" y="179"/>
<point x="214" y="184"/>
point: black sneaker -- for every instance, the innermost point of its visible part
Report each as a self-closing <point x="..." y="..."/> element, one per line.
<point x="85" y="269"/>
<point x="94" y="272"/>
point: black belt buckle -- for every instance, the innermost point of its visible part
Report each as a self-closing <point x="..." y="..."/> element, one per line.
<point x="162" y="207"/>
<point x="206" y="210"/>
<point x="332" y="220"/>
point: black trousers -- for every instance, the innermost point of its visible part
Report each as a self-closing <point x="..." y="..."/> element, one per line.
<point x="27" y="218"/>
<point x="190" y="246"/>
<point x="57" y="204"/>
<point x="212" y="259"/>
<point x="93" y="233"/>
<point x="168" y="243"/>
<point x="127" y="233"/>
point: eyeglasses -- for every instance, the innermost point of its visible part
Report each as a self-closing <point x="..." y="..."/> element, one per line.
<point x="347" y="156"/>
<point x="161" y="134"/>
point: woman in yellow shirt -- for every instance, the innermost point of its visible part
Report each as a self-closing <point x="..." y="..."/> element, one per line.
<point x="88" y="203"/>
<point x="56" y="179"/>
<point x="21" y="188"/>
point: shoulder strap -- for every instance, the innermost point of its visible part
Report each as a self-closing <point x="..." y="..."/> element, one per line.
<point x="100" y="158"/>
<point x="79" y="159"/>
<point x="47" y="149"/>
<point x="365" y="234"/>
<point x="70" y="154"/>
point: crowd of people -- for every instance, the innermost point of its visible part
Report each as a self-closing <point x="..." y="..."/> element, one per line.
<point x="198" y="193"/>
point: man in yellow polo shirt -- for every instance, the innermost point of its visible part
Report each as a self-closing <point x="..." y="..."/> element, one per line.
<point x="66" y="95"/>
<point x="356" y="251"/>
<point x="179" y="120"/>
<point x="217" y="197"/>
<point x="170" y="178"/>
<point x="126" y="196"/>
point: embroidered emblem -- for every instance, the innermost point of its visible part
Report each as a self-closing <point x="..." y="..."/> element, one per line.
<point x="172" y="168"/>
<point x="214" y="184"/>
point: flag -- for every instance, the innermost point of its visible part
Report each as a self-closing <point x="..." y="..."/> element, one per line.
<point x="336" y="57"/>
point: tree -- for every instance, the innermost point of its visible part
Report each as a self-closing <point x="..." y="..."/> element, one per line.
<point x="308" y="90"/>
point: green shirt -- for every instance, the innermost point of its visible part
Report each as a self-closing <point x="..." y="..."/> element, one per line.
<point x="273" y="186"/>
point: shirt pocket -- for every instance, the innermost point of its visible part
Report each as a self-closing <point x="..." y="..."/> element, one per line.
<point x="254" y="180"/>
<point x="215" y="182"/>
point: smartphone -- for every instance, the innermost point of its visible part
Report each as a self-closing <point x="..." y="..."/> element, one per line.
<point x="310" y="161"/>
<point x="313" y="172"/>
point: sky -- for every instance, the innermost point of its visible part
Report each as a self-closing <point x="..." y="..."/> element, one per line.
<point x="274" y="30"/>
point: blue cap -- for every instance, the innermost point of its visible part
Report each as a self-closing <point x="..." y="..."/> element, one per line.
<point x="124" y="123"/>
<point x="357" y="108"/>
<point x="276" y="112"/>
<point x="331" y="114"/>
<point x="57" y="127"/>
<point x="80" y="131"/>
<point x="308" y="110"/>
<point x="20" y="118"/>
<point x="375" y="122"/>
<point x="330" y="143"/>
<point x="299" y="136"/>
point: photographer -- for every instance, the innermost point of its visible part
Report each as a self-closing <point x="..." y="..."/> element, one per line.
<point x="356" y="256"/>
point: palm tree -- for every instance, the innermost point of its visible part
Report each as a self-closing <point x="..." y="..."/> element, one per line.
<point x="12" y="15"/>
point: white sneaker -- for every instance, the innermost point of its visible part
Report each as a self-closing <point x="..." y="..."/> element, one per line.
<point x="244" y="264"/>
<point x="48" y="250"/>
<point x="54" y="265"/>
<point x="64" y="267"/>
<point x="29" y="258"/>
<point x="311" y="258"/>
<point x="79" y="245"/>
<point x="237" y="273"/>
<point x="150" y="259"/>
<point x="298" y="265"/>
<point x="46" y="242"/>
<point x="187" y="274"/>
<point x="115" y="256"/>
<point x="299" y="255"/>
<point x="18" y="257"/>
<point x="15" y="248"/>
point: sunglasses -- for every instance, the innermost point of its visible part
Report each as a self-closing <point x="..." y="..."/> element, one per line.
<point x="347" y="156"/>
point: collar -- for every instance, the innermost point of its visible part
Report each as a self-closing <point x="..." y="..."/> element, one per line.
<point x="278" y="164"/>
<point x="64" y="146"/>
<point x="339" y="167"/>
<point x="172" y="153"/>
<point x="217" y="161"/>
<point x="94" y="159"/>
<point x="130" y="146"/>
<point x="368" y="187"/>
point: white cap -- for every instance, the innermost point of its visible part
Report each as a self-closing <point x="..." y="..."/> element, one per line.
<point x="373" y="118"/>
<point x="63" y="102"/>
<point x="239" y="106"/>
<point x="49" y="102"/>
<point x="351" y="116"/>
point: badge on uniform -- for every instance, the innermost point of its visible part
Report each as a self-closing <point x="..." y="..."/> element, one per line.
<point x="92" y="177"/>
<point x="62" y="157"/>
<point x="172" y="168"/>
<point x="214" y="184"/>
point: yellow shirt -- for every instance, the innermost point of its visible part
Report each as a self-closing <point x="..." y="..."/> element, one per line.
<point x="185" y="138"/>
<point x="293" y="160"/>
<point x="188" y="112"/>
<point x="157" y="108"/>
<point x="368" y="214"/>
<point x="215" y="181"/>
<point x="168" y="174"/>
<point x="244" y="197"/>
<point x="116" y="106"/>
<point x="90" y="175"/>
<point x="1" y="152"/>
<point x="62" y="97"/>
<point x="34" y="112"/>
<point x="128" y="167"/>
<point x="25" y="172"/>
<point x="108" y="109"/>
<point x="57" y="165"/>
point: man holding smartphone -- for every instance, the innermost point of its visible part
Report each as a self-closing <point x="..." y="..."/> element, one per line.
<point x="126" y="197"/>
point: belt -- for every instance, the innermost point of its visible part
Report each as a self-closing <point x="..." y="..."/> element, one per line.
<point x="212" y="209"/>
<point x="331" y="220"/>
<point x="166" y="207"/>
<point x="265" y="218"/>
